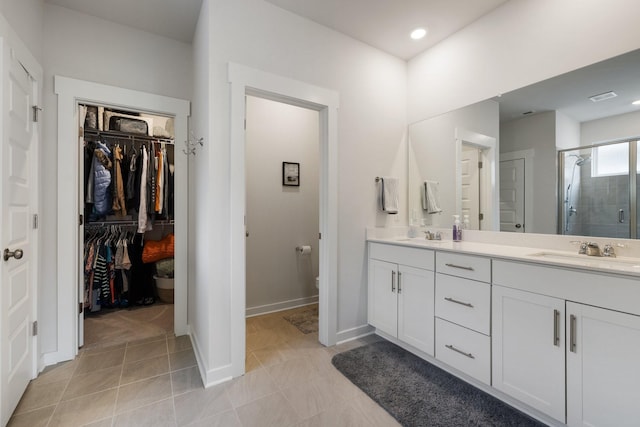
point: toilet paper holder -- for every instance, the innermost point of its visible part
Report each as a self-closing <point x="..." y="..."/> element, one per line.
<point x="304" y="249"/>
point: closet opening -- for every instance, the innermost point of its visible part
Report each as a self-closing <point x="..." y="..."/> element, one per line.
<point x="127" y="185"/>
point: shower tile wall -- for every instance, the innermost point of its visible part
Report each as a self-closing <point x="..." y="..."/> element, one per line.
<point x="598" y="202"/>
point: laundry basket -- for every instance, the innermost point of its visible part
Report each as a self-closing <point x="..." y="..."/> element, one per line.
<point x="164" y="285"/>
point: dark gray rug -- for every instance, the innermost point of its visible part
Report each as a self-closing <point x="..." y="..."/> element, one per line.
<point x="417" y="393"/>
<point x="305" y="320"/>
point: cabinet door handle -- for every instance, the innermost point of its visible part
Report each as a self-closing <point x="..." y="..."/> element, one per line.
<point x="462" y="267"/>
<point x="572" y="331"/>
<point x="393" y="281"/>
<point x="556" y="328"/>
<point x="399" y="281"/>
<point x="466" y="304"/>
<point x="469" y="355"/>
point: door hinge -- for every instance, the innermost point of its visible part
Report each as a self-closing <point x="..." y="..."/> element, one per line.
<point x="34" y="328"/>
<point x="80" y="307"/>
<point x="36" y="110"/>
<point x="80" y="219"/>
<point x="35" y="221"/>
<point x="481" y="217"/>
<point x="319" y="236"/>
<point x="479" y="165"/>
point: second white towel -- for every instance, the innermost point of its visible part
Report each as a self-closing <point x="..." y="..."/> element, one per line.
<point x="430" y="197"/>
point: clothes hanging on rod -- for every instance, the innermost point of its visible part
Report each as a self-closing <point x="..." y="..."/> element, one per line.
<point x="114" y="274"/>
<point x="127" y="180"/>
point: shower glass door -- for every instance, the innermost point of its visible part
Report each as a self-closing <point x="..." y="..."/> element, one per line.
<point x="595" y="190"/>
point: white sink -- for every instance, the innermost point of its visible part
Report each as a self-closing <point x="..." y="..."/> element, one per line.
<point x="587" y="260"/>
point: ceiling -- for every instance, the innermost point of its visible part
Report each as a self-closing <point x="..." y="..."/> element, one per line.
<point x="569" y="93"/>
<point x="175" y="19"/>
<point x="384" y="24"/>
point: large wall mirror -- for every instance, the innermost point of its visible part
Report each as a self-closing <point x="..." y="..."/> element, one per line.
<point x="559" y="156"/>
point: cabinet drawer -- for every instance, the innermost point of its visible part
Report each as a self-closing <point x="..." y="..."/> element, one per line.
<point x="464" y="350"/>
<point x="465" y="302"/>
<point x="413" y="257"/>
<point x="467" y="266"/>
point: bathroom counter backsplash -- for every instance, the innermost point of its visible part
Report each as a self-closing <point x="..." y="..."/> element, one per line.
<point x="543" y="249"/>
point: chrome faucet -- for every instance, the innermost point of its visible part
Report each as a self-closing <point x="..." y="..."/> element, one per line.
<point x="609" y="251"/>
<point x="593" y="249"/>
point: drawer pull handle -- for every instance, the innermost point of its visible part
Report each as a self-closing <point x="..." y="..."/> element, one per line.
<point x="469" y="355"/>
<point x="462" y="267"/>
<point x="556" y="328"/>
<point x="466" y="304"/>
<point x="573" y="332"/>
<point x="399" y="282"/>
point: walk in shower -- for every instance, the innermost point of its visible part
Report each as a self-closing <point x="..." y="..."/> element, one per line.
<point x="597" y="193"/>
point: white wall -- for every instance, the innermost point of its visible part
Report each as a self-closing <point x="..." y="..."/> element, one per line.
<point x="371" y="126"/>
<point x="280" y="218"/>
<point x="537" y="133"/>
<point x="26" y="17"/>
<point x="519" y="43"/>
<point x="609" y="129"/>
<point x="83" y="47"/>
<point x="201" y="287"/>
<point x="433" y="153"/>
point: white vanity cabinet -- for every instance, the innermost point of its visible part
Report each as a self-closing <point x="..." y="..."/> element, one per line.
<point x="603" y="372"/>
<point x="400" y="297"/>
<point x="529" y="349"/>
<point x="463" y="313"/>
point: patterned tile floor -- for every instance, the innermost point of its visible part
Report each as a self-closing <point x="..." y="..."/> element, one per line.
<point x="154" y="381"/>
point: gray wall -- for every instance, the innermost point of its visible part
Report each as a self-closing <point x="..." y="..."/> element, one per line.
<point x="280" y="218"/>
<point x="538" y="133"/>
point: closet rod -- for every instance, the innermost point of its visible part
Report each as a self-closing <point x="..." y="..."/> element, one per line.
<point x="123" y="135"/>
<point x="160" y="223"/>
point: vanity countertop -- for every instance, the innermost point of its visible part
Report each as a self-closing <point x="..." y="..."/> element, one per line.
<point x="629" y="266"/>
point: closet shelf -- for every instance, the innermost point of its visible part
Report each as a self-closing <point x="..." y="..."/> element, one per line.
<point x="123" y="135"/>
<point x="163" y="222"/>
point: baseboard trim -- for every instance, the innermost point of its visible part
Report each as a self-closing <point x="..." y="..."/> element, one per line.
<point x="210" y="377"/>
<point x="354" y="333"/>
<point x="280" y="306"/>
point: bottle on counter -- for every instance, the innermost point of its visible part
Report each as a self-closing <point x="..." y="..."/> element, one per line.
<point x="457" y="228"/>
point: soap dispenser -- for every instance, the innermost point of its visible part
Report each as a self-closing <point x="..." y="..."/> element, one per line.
<point x="457" y="229"/>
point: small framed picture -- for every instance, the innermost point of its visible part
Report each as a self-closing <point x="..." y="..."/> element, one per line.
<point x="291" y="174"/>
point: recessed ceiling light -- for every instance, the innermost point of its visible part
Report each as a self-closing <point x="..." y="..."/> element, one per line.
<point x="418" y="33"/>
<point x="636" y="102"/>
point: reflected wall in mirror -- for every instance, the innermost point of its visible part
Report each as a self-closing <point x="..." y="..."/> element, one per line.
<point x="546" y="135"/>
<point x="444" y="157"/>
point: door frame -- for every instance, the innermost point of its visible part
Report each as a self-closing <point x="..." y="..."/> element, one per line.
<point x="489" y="200"/>
<point x="248" y="81"/>
<point x="70" y="93"/>
<point x="10" y="40"/>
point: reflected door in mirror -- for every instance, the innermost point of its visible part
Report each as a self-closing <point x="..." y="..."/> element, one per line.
<point x="512" y="195"/>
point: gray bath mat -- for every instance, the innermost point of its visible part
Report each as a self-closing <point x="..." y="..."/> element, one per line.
<point x="305" y="320"/>
<point x="417" y="393"/>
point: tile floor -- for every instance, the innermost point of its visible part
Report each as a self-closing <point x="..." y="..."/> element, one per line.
<point x="155" y="382"/>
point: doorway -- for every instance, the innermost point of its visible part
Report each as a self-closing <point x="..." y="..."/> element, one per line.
<point x="72" y="92"/>
<point x="247" y="81"/>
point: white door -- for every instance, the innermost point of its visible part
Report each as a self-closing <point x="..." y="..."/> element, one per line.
<point x="383" y="299"/>
<point x="470" y="186"/>
<point x="512" y="195"/>
<point x="19" y="196"/>
<point x="416" y="307"/>
<point x="528" y="358"/>
<point x="602" y="367"/>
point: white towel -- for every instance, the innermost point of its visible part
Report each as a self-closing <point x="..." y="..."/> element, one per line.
<point x="389" y="194"/>
<point x="430" y="197"/>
